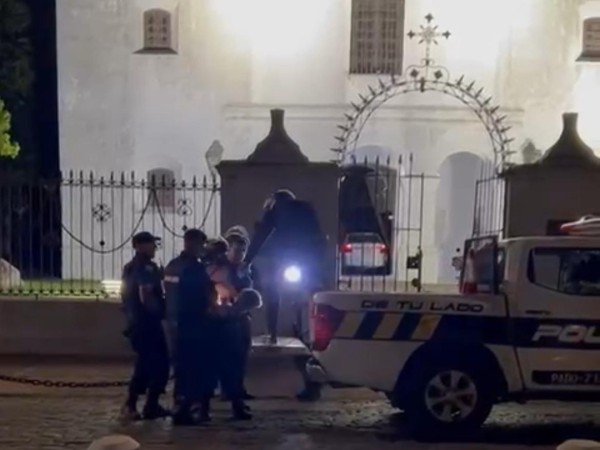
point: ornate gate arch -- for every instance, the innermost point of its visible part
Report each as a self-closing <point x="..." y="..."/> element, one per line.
<point x="427" y="77"/>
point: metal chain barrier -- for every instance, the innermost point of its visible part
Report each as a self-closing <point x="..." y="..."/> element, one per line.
<point x="63" y="384"/>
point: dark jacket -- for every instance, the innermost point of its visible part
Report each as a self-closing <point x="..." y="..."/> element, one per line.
<point x="141" y="292"/>
<point x="241" y="277"/>
<point x="189" y="293"/>
<point x="288" y="229"/>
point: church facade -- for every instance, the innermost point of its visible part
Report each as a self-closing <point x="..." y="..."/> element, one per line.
<point x="148" y="85"/>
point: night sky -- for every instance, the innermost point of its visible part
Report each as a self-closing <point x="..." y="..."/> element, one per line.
<point x="35" y="124"/>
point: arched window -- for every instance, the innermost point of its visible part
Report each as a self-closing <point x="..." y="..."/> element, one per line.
<point x="158" y="31"/>
<point x="590" y="48"/>
<point x="161" y="188"/>
<point x="377" y="37"/>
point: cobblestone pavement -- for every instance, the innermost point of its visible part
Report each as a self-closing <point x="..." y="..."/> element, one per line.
<point x="40" y="418"/>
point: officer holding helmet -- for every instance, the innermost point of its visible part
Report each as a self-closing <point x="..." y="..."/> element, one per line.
<point x="143" y="304"/>
<point x="232" y="315"/>
<point x="190" y="297"/>
<point x="289" y="233"/>
<point x="242" y="277"/>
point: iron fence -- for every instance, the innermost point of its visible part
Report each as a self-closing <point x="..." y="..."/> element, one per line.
<point x="489" y="206"/>
<point x="390" y="199"/>
<point x="72" y="235"/>
<point x="423" y="218"/>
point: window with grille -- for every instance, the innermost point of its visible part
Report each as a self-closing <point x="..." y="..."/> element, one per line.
<point x="377" y="37"/>
<point x="591" y="40"/>
<point x="161" y="188"/>
<point x="158" y="31"/>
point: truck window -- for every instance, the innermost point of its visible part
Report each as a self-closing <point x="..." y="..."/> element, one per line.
<point x="488" y="262"/>
<point x="571" y="271"/>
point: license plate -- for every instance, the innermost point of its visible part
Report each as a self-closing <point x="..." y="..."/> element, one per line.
<point x="567" y="378"/>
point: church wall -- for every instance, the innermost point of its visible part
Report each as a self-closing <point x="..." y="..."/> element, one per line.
<point x="236" y="59"/>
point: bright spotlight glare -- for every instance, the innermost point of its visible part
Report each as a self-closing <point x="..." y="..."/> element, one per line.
<point x="292" y="274"/>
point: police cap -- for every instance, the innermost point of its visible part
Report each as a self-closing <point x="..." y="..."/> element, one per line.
<point x="143" y="237"/>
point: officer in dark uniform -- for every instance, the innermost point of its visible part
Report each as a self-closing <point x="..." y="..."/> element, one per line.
<point x="289" y="231"/>
<point x="230" y="315"/>
<point x="242" y="277"/>
<point x="143" y="304"/>
<point x="190" y="296"/>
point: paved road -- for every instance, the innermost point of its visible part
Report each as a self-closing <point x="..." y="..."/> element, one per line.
<point x="39" y="418"/>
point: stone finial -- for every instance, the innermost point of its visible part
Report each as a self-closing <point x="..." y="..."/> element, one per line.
<point x="570" y="150"/>
<point x="278" y="147"/>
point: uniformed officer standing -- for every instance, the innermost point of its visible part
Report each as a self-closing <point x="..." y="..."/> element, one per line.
<point x="143" y="304"/>
<point x="190" y="296"/>
<point x="241" y="276"/>
<point x="229" y="315"/>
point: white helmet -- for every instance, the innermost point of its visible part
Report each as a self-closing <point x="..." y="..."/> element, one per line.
<point x="237" y="230"/>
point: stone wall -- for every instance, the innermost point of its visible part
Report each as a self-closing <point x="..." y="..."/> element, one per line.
<point x="59" y="327"/>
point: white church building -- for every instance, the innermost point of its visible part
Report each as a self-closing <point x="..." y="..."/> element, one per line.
<point x="149" y="85"/>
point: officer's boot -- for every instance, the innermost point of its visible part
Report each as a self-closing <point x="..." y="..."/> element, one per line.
<point x="153" y="410"/>
<point x="183" y="416"/>
<point x="205" y="410"/>
<point x="310" y="393"/>
<point x="129" y="410"/>
<point x="240" y="410"/>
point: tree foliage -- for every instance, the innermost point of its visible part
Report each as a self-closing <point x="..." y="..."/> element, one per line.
<point x="16" y="75"/>
<point x="8" y="149"/>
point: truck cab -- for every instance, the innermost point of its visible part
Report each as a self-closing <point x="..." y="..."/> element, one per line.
<point x="526" y="325"/>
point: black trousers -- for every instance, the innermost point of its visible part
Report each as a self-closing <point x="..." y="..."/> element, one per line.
<point x="195" y="364"/>
<point x="151" y="369"/>
<point x="233" y="354"/>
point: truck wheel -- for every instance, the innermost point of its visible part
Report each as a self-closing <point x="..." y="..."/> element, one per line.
<point x="448" y="399"/>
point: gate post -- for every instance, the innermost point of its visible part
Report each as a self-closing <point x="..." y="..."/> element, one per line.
<point x="278" y="163"/>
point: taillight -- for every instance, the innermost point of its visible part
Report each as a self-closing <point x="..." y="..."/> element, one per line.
<point x="346" y="248"/>
<point x="326" y="321"/>
<point x="381" y="247"/>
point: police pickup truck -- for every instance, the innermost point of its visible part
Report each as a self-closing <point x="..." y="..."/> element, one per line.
<point x="529" y="331"/>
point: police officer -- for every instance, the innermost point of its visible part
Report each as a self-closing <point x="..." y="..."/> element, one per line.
<point x="143" y="304"/>
<point x="230" y="315"/>
<point x="288" y="231"/>
<point x="190" y="296"/>
<point x="242" y="278"/>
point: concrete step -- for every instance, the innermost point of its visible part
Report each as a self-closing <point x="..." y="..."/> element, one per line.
<point x="285" y="346"/>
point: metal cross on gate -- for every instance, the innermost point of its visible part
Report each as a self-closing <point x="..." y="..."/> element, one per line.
<point x="429" y="35"/>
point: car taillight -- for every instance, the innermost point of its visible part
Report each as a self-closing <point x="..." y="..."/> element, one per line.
<point x="346" y="248"/>
<point x="326" y="321"/>
<point x="381" y="247"/>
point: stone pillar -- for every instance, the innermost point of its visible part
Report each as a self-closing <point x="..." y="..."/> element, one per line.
<point x="560" y="187"/>
<point x="278" y="163"/>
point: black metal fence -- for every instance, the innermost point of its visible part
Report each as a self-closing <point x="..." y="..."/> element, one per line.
<point x="488" y="214"/>
<point x="392" y="199"/>
<point x="72" y="235"/>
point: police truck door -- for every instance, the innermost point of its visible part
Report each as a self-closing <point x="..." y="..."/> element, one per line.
<point x="557" y="322"/>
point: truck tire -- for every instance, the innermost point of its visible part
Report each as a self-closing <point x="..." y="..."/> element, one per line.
<point x="448" y="399"/>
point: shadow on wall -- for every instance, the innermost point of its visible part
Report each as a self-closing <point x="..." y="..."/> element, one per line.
<point x="455" y="201"/>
